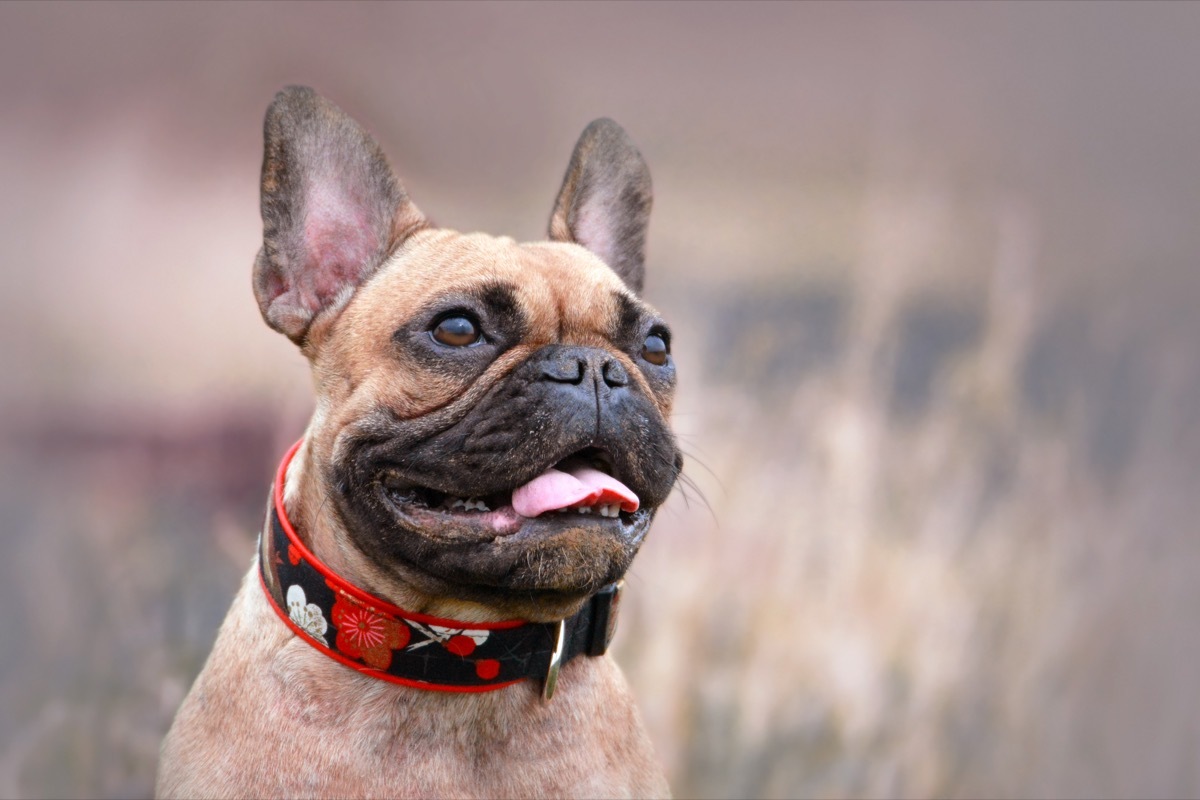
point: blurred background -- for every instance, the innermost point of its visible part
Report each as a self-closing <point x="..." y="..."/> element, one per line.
<point x="933" y="276"/>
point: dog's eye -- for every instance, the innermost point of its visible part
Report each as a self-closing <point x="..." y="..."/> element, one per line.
<point x="655" y="349"/>
<point x="456" y="331"/>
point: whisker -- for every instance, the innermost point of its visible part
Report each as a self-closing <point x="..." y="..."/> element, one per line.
<point x="684" y="483"/>
<point x="693" y="458"/>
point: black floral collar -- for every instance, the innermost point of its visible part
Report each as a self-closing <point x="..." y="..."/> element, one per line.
<point x="387" y="642"/>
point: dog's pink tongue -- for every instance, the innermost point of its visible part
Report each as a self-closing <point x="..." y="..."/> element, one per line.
<point x="611" y="490"/>
<point x="550" y="490"/>
<point x="581" y="486"/>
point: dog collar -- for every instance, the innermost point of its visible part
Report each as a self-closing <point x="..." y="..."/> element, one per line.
<point x="385" y="641"/>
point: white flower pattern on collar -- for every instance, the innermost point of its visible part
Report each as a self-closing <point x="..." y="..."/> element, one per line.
<point x="306" y="615"/>
<point x="453" y="639"/>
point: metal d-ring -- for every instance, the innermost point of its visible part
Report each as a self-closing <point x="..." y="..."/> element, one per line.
<point x="555" y="661"/>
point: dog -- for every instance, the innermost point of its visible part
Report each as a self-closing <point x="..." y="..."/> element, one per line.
<point x="439" y="573"/>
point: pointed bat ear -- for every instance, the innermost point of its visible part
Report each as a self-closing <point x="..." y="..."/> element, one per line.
<point x="604" y="202"/>
<point x="332" y="210"/>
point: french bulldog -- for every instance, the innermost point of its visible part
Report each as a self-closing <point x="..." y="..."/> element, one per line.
<point x="436" y="583"/>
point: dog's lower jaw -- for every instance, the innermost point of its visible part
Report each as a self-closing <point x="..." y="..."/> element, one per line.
<point x="315" y="516"/>
<point x="349" y="524"/>
<point x="266" y="697"/>
<point x="313" y="513"/>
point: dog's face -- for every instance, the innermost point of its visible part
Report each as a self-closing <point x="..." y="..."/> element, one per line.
<point x="475" y="395"/>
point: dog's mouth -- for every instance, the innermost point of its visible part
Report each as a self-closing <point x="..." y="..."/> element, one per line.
<point x="506" y="530"/>
<point x="581" y="488"/>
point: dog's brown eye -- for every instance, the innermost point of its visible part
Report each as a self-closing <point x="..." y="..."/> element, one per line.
<point x="655" y="349"/>
<point x="456" y="332"/>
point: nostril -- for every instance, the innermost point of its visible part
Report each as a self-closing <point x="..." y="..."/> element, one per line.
<point x="579" y="366"/>
<point x="614" y="374"/>
<point x="565" y="370"/>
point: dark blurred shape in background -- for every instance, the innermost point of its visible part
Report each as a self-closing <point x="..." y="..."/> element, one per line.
<point x="932" y="271"/>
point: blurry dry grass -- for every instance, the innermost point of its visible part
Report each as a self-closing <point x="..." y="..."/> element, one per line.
<point x="942" y="561"/>
<point x="932" y="271"/>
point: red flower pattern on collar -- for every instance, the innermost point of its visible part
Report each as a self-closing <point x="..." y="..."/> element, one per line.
<point x="365" y="634"/>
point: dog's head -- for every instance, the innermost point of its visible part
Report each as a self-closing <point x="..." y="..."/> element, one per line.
<point x="489" y="413"/>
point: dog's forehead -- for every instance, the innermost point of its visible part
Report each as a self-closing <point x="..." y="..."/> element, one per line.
<point x="559" y="285"/>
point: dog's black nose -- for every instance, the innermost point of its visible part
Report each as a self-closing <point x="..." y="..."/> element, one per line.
<point x="581" y="366"/>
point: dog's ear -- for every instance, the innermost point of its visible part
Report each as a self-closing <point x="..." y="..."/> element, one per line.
<point x="604" y="202"/>
<point x="332" y="210"/>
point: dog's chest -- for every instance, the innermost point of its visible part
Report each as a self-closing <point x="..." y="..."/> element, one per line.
<point x="397" y="742"/>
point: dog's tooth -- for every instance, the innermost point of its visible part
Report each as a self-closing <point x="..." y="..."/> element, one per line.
<point x="459" y="503"/>
<point x="584" y="509"/>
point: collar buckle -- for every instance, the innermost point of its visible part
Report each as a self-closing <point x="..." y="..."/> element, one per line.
<point x="551" y="679"/>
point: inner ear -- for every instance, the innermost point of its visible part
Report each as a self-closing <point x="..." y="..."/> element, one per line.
<point x="604" y="203"/>
<point x="332" y="210"/>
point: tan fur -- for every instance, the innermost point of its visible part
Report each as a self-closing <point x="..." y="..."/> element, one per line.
<point x="270" y="716"/>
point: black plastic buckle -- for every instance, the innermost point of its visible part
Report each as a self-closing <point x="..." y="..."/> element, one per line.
<point x="606" y="604"/>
